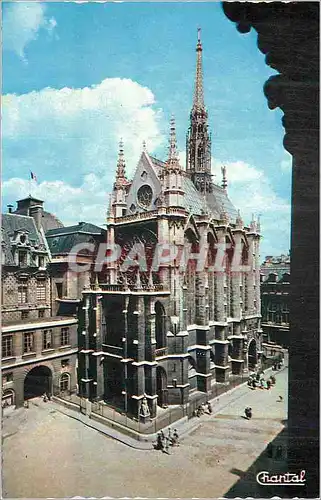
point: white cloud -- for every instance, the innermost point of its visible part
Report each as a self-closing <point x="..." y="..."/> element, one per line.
<point x="22" y="23"/>
<point x="88" y="202"/>
<point x="251" y="191"/>
<point x="69" y="139"/>
<point x="73" y="132"/>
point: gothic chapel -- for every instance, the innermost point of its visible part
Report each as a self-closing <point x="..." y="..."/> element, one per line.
<point x="169" y="333"/>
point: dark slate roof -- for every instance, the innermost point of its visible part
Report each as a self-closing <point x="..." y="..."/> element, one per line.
<point x="6" y="248"/>
<point x="81" y="227"/>
<point x="195" y="202"/>
<point x="62" y="240"/>
<point x="11" y="224"/>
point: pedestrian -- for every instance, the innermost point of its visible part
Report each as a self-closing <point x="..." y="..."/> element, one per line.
<point x="159" y="445"/>
<point x="26" y="404"/>
<point x="167" y="446"/>
<point x="268" y="384"/>
<point x="280" y="399"/>
<point x="169" y="433"/>
<point x="248" y="412"/>
<point x="45" y="398"/>
<point x="175" y="437"/>
<point x="209" y="407"/>
<point x="199" y="411"/>
<point x="273" y="379"/>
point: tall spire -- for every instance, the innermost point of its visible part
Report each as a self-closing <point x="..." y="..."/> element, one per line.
<point x="198" y="100"/>
<point x="172" y="160"/>
<point x="198" y="140"/>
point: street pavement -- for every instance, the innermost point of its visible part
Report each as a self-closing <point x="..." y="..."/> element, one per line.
<point x="46" y="453"/>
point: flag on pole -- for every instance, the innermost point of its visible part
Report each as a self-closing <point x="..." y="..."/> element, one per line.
<point x="33" y="176"/>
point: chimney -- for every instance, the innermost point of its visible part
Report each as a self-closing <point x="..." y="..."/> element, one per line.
<point x="10" y="207"/>
<point x="36" y="212"/>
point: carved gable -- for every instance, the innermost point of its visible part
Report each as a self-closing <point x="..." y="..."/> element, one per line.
<point x="145" y="188"/>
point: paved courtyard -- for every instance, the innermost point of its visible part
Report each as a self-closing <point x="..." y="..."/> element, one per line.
<point x="48" y="454"/>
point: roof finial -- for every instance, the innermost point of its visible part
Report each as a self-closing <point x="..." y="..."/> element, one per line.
<point x="239" y="221"/>
<point x="224" y="179"/>
<point x="198" y="101"/>
<point x="172" y="149"/>
<point x="121" y="166"/>
<point x="224" y="215"/>
<point x="144" y="146"/>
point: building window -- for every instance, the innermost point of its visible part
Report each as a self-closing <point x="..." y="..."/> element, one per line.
<point x="22" y="294"/>
<point x="22" y="256"/>
<point x="64" y="336"/>
<point x="41" y="313"/>
<point x="41" y="291"/>
<point x="7" y="346"/>
<point x="41" y="261"/>
<point x="59" y="290"/>
<point x="24" y="314"/>
<point x="64" y="382"/>
<point x="7" y="377"/>
<point x="47" y="339"/>
<point x="28" y="342"/>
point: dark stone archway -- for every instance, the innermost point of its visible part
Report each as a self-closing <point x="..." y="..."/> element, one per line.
<point x="38" y="381"/>
<point x="252" y="355"/>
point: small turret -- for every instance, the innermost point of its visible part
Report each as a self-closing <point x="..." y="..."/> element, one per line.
<point x="120" y="186"/>
<point x="224" y="178"/>
<point x="172" y="176"/>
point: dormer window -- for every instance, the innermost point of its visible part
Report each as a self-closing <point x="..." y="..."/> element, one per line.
<point x="41" y="261"/>
<point x="23" y="238"/>
<point x="22" y="256"/>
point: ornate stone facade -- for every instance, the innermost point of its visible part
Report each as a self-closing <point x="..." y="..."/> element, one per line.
<point x="168" y="331"/>
<point x="39" y="349"/>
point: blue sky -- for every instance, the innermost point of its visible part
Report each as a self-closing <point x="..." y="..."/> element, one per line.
<point x="78" y="77"/>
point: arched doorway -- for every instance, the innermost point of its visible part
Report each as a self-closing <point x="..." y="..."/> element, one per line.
<point x="252" y="355"/>
<point x="37" y="382"/>
<point x="161" y="386"/>
<point x="160" y="326"/>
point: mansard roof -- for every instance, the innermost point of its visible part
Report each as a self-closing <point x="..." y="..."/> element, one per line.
<point x="81" y="227"/>
<point x="13" y="224"/>
<point x="62" y="240"/>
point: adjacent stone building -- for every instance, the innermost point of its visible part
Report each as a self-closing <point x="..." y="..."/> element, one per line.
<point x="66" y="284"/>
<point x="168" y="331"/>
<point x="39" y="351"/>
<point x="275" y="289"/>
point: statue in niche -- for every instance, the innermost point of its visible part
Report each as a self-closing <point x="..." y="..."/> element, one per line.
<point x="144" y="412"/>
